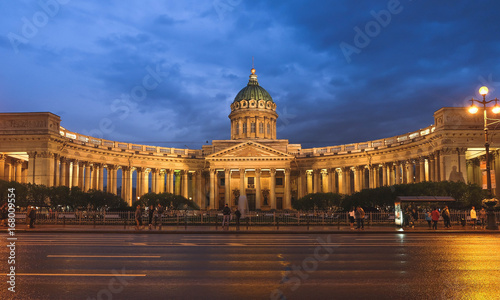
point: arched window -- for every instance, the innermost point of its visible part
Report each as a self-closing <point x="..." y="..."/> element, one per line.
<point x="252" y="127"/>
<point x="237" y="128"/>
<point x="244" y="128"/>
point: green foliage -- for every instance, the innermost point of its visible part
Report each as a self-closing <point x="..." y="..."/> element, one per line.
<point x="321" y="201"/>
<point x="166" y="200"/>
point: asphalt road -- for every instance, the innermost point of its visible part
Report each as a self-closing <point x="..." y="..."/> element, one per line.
<point x="231" y="266"/>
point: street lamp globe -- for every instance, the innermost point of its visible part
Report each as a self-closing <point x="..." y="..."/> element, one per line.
<point x="483" y="91"/>
<point x="473" y="109"/>
<point x="496" y="109"/>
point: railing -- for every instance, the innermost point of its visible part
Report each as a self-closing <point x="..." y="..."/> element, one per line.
<point x="196" y="217"/>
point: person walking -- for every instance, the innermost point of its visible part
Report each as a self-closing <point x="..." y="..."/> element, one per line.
<point x="482" y="217"/>
<point x="237" y="213"/>
<point x="151" y="213"/>
<point x="435" y="218"/>
<point x="352" y="214"/>
<point x="414" y="218"/>
<point x="226" y="212"/>
<point x="473" y="217"/>
<point x="32" y="216"/>
<point x="159" y="214"/>
<point x="138" y="218"/>
<point x="428" y="218"/>
<point x="446" y="217"/>
<point x="4" y="213"/>
<point x="361" y="219"/>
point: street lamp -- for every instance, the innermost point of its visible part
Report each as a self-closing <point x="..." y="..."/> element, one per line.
<point x="483" y="91"/>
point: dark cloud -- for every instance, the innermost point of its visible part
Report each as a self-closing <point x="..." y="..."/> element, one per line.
<point x="88" y="58"/>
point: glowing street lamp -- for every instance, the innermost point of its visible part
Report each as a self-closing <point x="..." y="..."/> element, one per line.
<point x="483" y="91"/>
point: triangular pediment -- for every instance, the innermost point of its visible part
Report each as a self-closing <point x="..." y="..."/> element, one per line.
<point x="249" y="150"/>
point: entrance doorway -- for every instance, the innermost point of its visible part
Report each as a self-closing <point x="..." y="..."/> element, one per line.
<point x="251" y="201"/>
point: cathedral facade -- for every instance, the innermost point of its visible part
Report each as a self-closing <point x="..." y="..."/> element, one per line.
<point x="35" y="148"/>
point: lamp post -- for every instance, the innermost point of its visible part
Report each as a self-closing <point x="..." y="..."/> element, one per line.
<point x="483" y="91"/>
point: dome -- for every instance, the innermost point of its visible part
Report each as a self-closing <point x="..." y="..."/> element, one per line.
<point x="253" y="91"/>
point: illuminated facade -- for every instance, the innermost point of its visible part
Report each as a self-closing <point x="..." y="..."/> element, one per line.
<point x="269" y="171"/>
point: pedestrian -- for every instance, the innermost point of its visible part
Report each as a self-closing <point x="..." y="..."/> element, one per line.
<point x="360" y="218"/>
<point x="237" y="213"/>
<point x="151" y="213"/>
<point x="482" y="217"/>
<point x="226" y="212"/>
<point x="414" y="217"/>
<point x="352" y="214"/>
<point x="32" y="216"/>
<point x="435" y="218"/>
<point x="138" y="217"/>
<point x="446" y="217"/>
<point x="159" y="214"/>
<point x="428" y="218"/>
<point x="473" y="217"/>
<point x="28" y="211"/>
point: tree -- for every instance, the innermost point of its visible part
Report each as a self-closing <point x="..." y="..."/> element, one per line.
<point x="166" y="200"/>
<point x="321" y="201"/>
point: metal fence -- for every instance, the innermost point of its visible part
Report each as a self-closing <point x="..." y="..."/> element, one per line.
<point x="212" y="218"/>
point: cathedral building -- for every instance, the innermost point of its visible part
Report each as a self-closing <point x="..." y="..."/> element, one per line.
<point x="35" y="148"/>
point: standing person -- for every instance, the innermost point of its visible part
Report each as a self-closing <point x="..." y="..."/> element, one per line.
<point x="159" y="213"/>
<point x="28" y="211"/>
<point x="138" y="217"/>
<point x="446" y="217"/>
<point x="32" y="215"/>
<point x="352" y="214"/>
<point x="428" y="218"/>
<point x="414" y="216"/>
<point x="4" y="214"/>
<point x="238" y="216"/>
<point x="473" y="217"/>
<point x="151" y="213"/>
<point x="482" y="217"/>
<point x="435" y="218"/>
<point x="226" y="212"/>
<point x="361" y="220"/>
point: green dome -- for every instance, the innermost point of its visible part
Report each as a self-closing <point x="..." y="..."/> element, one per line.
<point x="253" y="91"/>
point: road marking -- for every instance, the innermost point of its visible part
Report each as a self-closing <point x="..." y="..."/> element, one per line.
<point x="77" y="275"/>
<point x="106" y="256"/>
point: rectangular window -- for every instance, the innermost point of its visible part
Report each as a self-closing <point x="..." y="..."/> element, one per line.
<point x="244" y="128"/>
<point x="279" y="181"/>
<point x="223" y="182"/>
<point x="268" y="129"/>
<point x="252" y="127"/>
<point x="251" y="183"/>
<point x="237" y="129"/>
<point x="261" y="127"/>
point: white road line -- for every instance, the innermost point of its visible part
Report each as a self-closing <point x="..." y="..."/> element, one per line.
<point x="105" y="256"/>
<point x="78" y="275"/>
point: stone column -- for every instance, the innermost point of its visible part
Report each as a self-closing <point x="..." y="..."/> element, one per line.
<point x="333" y="188"/>
<point x="200" y="196"/>
<point x="300" y="184"/>
<point x="161" y="182"/>
<point x="242" y="182"/>
<point x="384" y="175"/>
<point x="409" y="171"/>
<point x="185" y="182"/>
<point x="2" y="166"/>
<point x="341" y="175"/>
<point x="24" y="172"/>
<point x="114" y="179"/>
<point x="124" y="191"/>
<point x="325" y="181"/>
<point x="347" y="180"/>
<point x="64" y="172"/>
<point x="177" y="186"/>
<point x="75" y="173"/>
<point x="57" y="170"/>
<point x="272" y="192"/>
<point x="139" y="185"/>
<point x="287" y="201"/>
<point x="212" y="188"/>
<point x="398" y="173"/>
<point x="154" y="181"/>
<point x="421" y="166"/>
<point x="258" y="191"/>
<point x="87" y="177"/>
<point x="432" y="169"/>
<point x="309" y="184"/>
<point x="18" y="167"/>
<point x="227" y="186"/>
<point x="357" y="179"/>
<point x="100" y="178"/>
<point x="316" y="180"/>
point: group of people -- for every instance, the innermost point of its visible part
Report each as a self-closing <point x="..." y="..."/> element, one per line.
<point x="226" y="217"/>
<point x="357" y="214"/>
<point x="154" y="217"/>
<point x="432" y="217"/>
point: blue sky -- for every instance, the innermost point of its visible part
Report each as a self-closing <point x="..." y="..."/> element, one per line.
<point x="165" y="72"/>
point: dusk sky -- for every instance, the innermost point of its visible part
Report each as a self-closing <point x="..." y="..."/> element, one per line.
<point x="165" y="72"/>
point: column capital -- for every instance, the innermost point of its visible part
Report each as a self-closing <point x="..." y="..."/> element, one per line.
<point x="258" y="171"/>
<point x="227" y="171"/>
<point x="287" y="171"/>
<point x="272" y="172"/>
<point x="124" y="168"/>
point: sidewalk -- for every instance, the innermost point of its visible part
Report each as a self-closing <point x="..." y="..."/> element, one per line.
<point x="197" y="229"/>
